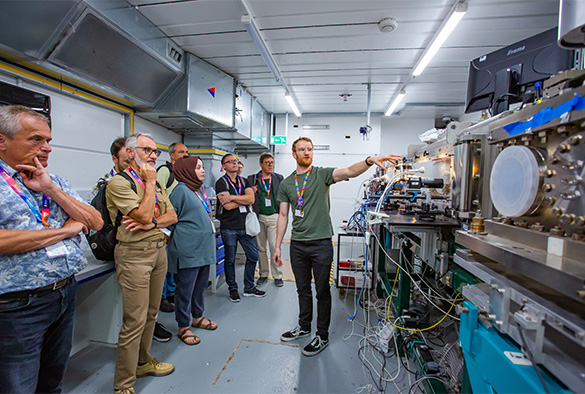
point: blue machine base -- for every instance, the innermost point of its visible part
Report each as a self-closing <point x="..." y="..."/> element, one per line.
<point x="490" y="369"/>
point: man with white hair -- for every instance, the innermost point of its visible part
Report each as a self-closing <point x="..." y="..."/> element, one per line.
<point x="41" y="217"/>
<point x="141" y="259"/>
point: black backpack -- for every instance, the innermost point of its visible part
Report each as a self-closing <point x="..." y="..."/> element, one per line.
<point x="171" y="177"/>
<point x="103" y="242"/>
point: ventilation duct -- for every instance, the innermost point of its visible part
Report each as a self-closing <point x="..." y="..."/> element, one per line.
<point x="203" y="99"/>
<point x="90" y="44"/>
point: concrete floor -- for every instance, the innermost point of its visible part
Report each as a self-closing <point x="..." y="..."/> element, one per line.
<point x="245" y="353"/>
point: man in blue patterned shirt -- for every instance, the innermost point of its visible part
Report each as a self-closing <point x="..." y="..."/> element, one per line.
<point x="41" y="217"/>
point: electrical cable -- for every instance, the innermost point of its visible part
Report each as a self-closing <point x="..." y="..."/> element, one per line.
<point x="531" y="357"/>
<point x="422" y="379"/>
<point x="434" y="325"/>
<point x="412" y="279"/>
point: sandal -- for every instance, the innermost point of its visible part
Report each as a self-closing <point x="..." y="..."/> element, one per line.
<point x="185" y="334"/>
<point x="208" y="326"/>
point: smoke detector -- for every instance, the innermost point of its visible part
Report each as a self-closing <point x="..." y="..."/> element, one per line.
<point x="387" y="25"/>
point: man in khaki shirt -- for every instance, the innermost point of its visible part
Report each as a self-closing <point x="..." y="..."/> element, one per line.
<point x="141" y="260"/>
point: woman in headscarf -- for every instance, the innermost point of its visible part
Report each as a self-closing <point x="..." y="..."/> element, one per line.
<point x="191" y="248"/>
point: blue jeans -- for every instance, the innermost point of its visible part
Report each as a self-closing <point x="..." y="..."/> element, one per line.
<point x="190" y="295"/>
<point x="170" y="286"/>
<point x="35" y="340"/>
<point x="230" y="239"/>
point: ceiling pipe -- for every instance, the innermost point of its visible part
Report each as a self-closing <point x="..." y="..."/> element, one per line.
<point x="266" y="53"/>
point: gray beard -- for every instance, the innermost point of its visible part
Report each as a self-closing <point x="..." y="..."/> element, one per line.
<point x="139" y="161"/>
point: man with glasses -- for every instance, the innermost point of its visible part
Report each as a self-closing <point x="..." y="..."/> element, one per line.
<point x="234" y="195"/>
<point x="265" y="184"/>
<point x="140" y="258"/>
<point x="306" y="192"/>
<point x="121" y="162"/>
<point x="164" y="176"/>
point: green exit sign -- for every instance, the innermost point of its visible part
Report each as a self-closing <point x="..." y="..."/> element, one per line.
<point x="278" y="140"/>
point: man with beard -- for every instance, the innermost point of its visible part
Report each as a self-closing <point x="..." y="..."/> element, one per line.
<point x="306" y="191"/>
<point x="121" y="162"/>
<point x="41" y="217"/>
<point x="141" y="259"/>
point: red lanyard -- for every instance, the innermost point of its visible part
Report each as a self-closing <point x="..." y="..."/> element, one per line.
<point x="239" y="191"/>
<point x="41" y="217"/>
<point x="135" y="176"/>
<point x="206" y="202"/>
<point x="264" y="184"/>
<point x="300" y="194"/>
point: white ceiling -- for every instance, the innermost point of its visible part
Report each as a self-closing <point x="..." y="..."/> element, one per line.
<point x="325" y="48"/>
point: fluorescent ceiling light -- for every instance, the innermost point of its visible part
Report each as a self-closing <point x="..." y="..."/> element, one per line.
<point x="292" y="104"/>
<point x="445" y="30"/>
<point x="315" y="127"/>
<point x="261" y="45"/>
<point x="395" y="103"/>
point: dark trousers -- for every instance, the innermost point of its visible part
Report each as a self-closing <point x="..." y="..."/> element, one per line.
<point x="230" y="243"/>
<point x="189" y="295"/>
<point x="313" y="257"/>
<point x="35" y="340"/>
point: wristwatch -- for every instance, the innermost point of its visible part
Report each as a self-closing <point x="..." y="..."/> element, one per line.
<point x="154" y="222"/>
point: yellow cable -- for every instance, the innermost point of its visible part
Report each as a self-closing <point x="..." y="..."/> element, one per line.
<point x="391" y="293"/>
<point x="434" y="325"/>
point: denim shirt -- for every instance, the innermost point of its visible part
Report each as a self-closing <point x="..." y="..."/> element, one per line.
<point x="34" y="269"/>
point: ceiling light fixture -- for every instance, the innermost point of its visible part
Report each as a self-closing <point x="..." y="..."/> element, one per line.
<point x="293" y="105"/>
<point x="395" y="103"/>
<point x="447" y="27"/>
<point x="261" y="45"/>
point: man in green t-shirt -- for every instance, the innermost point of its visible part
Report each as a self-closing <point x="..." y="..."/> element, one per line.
<point x="306" y="192"/>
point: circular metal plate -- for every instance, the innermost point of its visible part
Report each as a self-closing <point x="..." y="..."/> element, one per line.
<point x="516" y="180"/>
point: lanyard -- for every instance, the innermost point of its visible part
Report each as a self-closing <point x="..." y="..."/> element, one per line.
<point x="206" y="202"/>
<point x="269" y="185"/>
<point x="41" y="217"/>
<point x="135" y="176"/>
<point x="239" y="191"/>
<point x="302" y="192"/>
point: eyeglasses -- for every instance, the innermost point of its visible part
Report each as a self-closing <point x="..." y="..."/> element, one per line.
<point x="234" y="161"/>
<point x="149" y="151"/>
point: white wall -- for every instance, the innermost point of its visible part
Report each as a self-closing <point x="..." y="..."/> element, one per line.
<point x="398" y="133"/>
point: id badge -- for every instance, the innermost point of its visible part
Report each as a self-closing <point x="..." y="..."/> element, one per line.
<point x="57" y="250"/>
<point x="299" y="213"/>
<point x="267" y="202"/>
<point x="212" y="226"/>
<point x="243" y="209"/>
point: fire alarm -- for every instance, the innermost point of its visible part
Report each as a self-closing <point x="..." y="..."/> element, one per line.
<point x="387" y="25"/>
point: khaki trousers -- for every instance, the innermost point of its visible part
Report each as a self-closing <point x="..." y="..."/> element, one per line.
<point x="268" y="233"/>
<point x="140" y="268"/>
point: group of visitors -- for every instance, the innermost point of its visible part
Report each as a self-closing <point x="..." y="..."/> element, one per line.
<point x="166" y="243"/>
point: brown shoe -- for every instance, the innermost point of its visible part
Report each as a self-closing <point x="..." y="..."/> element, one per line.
<point x="166" y="306"/>
<point x="154" y="368"/>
